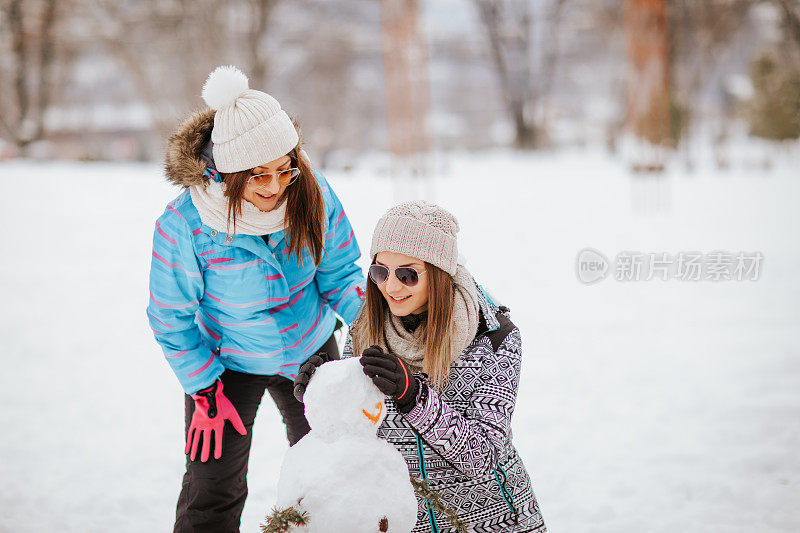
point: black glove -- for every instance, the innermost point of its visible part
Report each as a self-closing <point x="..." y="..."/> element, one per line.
<point x="307" y="370"/>
<point x="391" y="376"/>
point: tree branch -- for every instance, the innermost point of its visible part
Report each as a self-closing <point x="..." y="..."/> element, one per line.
<point x="792" y="16"/>
<point x="46" y="56"/>
<point x="18" y="48"/>
<point x="258" y="68"/>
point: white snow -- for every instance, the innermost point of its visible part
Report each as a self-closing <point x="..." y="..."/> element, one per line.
<point x="335" y="402"/>
<point x="653" y="406"/>
<point x="341" y="474"/>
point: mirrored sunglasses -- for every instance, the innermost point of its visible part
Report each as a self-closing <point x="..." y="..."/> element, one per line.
<point x="285" y="178"/>
<point x="408" y="276"/>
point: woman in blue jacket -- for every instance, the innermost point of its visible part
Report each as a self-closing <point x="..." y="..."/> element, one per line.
<point x="251" y="264"/>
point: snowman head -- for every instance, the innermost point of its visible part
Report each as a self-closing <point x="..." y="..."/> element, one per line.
<point x="342" y="400"/>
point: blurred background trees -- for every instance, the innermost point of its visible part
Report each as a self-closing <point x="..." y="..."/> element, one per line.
<point x="101" y="79"/>
<point x="28" y="66"/>
<point x="774" y="111"/>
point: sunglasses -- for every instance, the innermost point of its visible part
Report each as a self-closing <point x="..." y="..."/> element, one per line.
<point x="285" y="178"/>
<point x="406" y="275"/>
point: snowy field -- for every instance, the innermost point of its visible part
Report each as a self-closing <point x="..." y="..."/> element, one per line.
<point x="650" y="406"/>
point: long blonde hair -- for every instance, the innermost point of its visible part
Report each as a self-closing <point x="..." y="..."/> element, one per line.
<point x="437" y="335"/>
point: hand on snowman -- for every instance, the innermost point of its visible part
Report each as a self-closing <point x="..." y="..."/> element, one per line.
<point x="305" y="372"/>
<point x="391" y="376"/>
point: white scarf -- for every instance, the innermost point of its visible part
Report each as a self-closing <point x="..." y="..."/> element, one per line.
<point x="212" y="205"/>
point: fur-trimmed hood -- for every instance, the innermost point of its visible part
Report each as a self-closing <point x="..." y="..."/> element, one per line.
<point x="184" y="164"/>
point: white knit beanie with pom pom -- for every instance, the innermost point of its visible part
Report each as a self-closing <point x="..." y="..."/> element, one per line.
<point x="250" y="128"/>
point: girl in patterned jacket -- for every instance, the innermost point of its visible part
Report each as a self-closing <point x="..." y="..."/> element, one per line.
<point x="449" y="361"/>
<point x="251" y="263"/>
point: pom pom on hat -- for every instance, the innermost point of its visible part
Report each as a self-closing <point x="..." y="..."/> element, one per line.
<point x="254" y="131"/>
<point x="224" y="86"/>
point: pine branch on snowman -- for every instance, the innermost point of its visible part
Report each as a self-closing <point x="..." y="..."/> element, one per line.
<point x="341" y="477"/>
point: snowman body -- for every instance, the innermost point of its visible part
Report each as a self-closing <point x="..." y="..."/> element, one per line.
<point x="341" y="474"/>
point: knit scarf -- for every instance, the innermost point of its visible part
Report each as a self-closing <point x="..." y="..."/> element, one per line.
<point x="212" y="205"/>
<point x="410" y="346"/>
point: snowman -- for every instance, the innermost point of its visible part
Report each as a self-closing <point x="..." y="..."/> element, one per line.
<point x="340" y="477"/>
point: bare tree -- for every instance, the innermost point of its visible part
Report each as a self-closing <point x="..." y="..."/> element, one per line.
<point x="791" y="13"/>
<point x="507" y="26"/>
<point x="261" y="16"/>
<point x="164" y="48"/>
<point x="167" y="48"/>
<point x="32" y="49"/>
<point x="407" y="89"/>
<point x="514" y="50"/>
<point x="649" y="96"/>
<point x="700" y="34"/>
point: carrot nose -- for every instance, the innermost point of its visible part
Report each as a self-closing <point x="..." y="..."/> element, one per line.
<point x="374" y="417"/>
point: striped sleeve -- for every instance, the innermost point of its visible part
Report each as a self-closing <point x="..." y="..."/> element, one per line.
<point x="472" y="441"/>
<point x="339" y="279"/>
<point x="176" y="288"/>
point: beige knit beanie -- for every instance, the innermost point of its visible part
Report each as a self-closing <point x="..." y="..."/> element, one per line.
<point x="419" y="229"/>
<point x="250" y="128"/>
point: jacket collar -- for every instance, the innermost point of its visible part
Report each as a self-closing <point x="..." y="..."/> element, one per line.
<point x="185" y="164"/>
<point x="487" y="319"/>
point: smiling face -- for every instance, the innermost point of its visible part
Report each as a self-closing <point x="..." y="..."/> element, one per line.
<point x="268" y="197"/>
<point x="402" y="299"/>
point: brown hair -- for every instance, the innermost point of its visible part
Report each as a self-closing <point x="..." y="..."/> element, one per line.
<point x="305" y="208"/>
<point x="438" y="333"/>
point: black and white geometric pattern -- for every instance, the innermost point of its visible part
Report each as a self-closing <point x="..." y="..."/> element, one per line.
<point x="466" y="434"/>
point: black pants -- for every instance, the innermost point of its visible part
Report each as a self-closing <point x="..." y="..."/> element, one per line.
<point x="213" y="493"/>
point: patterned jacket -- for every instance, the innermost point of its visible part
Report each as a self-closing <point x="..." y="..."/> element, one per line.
<point x="238" y="301"/>
<point x="463" y="435"/>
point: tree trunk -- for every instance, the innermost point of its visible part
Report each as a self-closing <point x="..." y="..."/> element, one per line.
<point x="405" y="60"/>
<point x="648" y="94"/>
<point x="791" y="13"/>
<point x="32" y="79"/>
<point x="262" y="10"/>
<point x="511" y="59"/>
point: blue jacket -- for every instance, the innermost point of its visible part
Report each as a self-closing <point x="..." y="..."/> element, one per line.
<point x="239" y="302"/>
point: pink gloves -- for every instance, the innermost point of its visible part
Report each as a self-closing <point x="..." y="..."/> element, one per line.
<point x="211" y="409"/>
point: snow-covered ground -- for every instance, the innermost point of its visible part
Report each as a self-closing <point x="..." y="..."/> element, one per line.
<point x="654" y="406"/>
